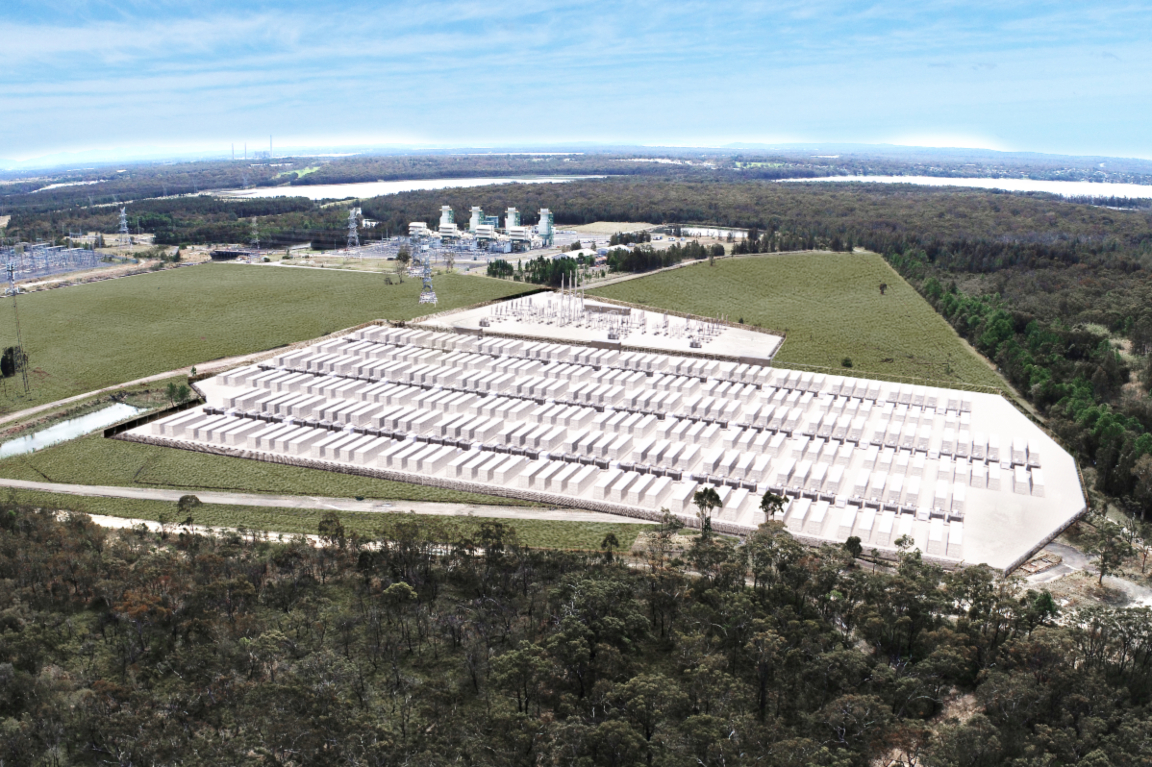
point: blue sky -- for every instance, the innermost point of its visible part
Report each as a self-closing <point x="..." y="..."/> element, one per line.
<point x="133" y="78"/>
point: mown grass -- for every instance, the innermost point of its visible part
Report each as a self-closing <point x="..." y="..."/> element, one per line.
<point x="90" y="336"/>
<point x="94" y="460"/>
<point x="831" y="307"/>
<point x="537" y="533"/>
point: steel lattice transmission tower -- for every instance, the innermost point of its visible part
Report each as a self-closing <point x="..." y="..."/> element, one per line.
<point x="427" y="293"/>
<point x="353" y="236"/>
<point x="19" y="358"/>
<point x="125" y="236"/>
<point x="255" y="237"/>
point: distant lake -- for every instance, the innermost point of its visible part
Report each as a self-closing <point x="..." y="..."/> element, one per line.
<point x="1065" y="188"/>
<point x="377" y="188"/>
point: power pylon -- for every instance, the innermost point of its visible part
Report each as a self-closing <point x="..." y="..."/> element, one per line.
<point x="125" y="235"/>
<point x="19" y="359"/>
<point x="353" y="236"/>
<point x="427" y="293"/>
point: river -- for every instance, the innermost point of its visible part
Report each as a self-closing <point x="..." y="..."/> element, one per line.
<point x="1063" y="188"/>
<point x="367" y="189"/>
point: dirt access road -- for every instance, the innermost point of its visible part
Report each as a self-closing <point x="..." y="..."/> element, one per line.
<point x="321" y="502"/>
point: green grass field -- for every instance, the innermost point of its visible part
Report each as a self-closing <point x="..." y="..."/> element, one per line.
<point x="91" y="336"/>
<point x="94" y="460"/>
<point x="831" y="307"/>
<point x="538" y="533"/>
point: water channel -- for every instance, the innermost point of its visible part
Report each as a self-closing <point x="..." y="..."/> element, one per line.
<point x="70" y="429"/>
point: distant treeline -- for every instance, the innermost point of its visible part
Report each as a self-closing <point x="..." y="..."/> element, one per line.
<point x="109" y="186"/>
<point x="971" y="231"/>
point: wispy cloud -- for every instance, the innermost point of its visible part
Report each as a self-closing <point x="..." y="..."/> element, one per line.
<point x="460" y="71"/>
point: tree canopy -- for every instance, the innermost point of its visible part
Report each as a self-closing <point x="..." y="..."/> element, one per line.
<point x="417" y="648"/>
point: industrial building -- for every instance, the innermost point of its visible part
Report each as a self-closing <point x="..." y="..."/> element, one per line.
<point x="485" y="231"/>
<point x="638" y="424"/>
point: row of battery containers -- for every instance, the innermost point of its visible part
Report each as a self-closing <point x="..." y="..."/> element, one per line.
<point x="815" y="383"/>
<point x="874" y="527"/>
<point x="552" y="352"/>
<point x="786" y="382"/>
<point x="607" y="387"/>
<point x="952" y="481"/>
<point x="410" y="336"/>
<point x="899" y="481"/>
<point x="581" y="378"/>
<point x="916" y="396"/>
<point x="830" y="409"/>
<point x="618" y="387"/>
<point x="693" y="368"/>
<point x="523" y="377"/>
<point x="911" y="430"/>
<point x="841" y="454"/>
<point x="962" y="444"/>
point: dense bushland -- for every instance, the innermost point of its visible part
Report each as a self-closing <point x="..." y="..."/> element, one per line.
<point x="416" y="648"/>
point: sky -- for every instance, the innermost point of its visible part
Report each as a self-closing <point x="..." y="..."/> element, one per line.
<point x="132" y="79"/>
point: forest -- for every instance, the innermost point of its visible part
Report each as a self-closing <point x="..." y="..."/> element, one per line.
<point x="555" y="272"/>
<point x="645" y="258"/>
<point x="541" y="270"/>
<point x="56" y="190"/>
<point x="414" y="647"/>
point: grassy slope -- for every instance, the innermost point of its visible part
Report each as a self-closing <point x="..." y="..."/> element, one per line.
<point x="93" y="460"/>
<point x="537" y="533"/>
<point x="91" y="336"/>
<point x="831" y="307"/>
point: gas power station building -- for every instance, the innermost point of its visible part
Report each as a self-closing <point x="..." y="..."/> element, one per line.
<point x="486" y="232"/>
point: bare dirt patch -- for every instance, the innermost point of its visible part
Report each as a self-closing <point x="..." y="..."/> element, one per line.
<point x="1080" y="589"/>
